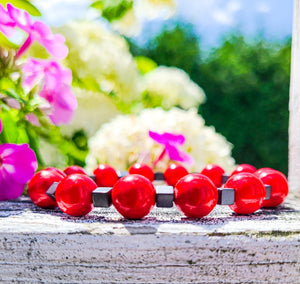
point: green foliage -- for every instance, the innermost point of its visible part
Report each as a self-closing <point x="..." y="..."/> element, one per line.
<point x="23" y="4"/>
<point x="112" y="9"/>
<point x="247" y="88"/>
<point x="145" y="64"/>
<point x="176" y="47"/>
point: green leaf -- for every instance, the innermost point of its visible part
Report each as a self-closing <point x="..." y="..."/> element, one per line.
<point x="10" y="130"/>
<point x="145" y="64"/>
<point x="23" y="4"/>
<point x="6" y="43"/>
<point x="112" y="9"/>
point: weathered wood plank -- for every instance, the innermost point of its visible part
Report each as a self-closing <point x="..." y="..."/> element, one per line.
<point x="38" y="246"/>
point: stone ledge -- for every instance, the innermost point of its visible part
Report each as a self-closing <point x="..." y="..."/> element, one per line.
<point x="40" y="246"/>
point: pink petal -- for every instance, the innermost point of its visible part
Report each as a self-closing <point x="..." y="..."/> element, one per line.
<point x="167" y="137"/>
<point x="7" y="25"/>
<point x="33" y="119"/>
<point x="41" y="30"/>
<point x="177" y="155"/>
<point x="21" y="17"/>
<point x="18" y="162"/>
<point x="9" y="189"/>
<point x="1" y="125"/>
<point x="56" y="47"/>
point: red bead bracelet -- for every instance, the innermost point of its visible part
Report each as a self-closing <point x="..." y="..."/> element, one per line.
<point x="133" y="194"/>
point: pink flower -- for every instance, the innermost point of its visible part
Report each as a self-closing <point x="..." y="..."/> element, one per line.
<point x="37" y="31"/>
<point x="171" y="142"/>
<point x="56" y="88"/>
<point x="33" y="119"/>
<point x="7" y="24"/>
<point x="0" y="125"/>
<point x="17" y="166"/>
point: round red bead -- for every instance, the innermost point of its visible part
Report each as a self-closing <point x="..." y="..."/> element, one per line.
<point x="243" y="168"/>
<point x="133" y="196"/>
<point x="214" y="173"/>
<point x="56" y="170"/>
<point x="278" y="183"/>
<point x="143" y="170"/>
<point x="40" y="183"/>
<point x="105" y="175"/>
<point x="74" y="170"/>
<point x="195" y="195"/>
<point x="249" y="192"/>
<point x="174" y="172"/>
<point x="74" y="194"/>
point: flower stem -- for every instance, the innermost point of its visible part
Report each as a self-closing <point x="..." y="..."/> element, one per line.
<point x="24" y="47"/>
<point x="162" y="154"/>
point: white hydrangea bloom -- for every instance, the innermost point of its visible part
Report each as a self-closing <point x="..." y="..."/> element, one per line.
<point x="172" y="86"/>
<point x="131" y="23"/>
<point x="125" y="140"/>
<point x="93" y="110"/>
<point x="97" y="54"/>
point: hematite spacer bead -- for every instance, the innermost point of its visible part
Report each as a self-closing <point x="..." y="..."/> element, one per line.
<point x="93" y="177"/>
<point x="226" y="196"/>
<point x="102" y="197"/>
<point x="225" y="178"/>
<point x="164" y="196"/>
<point x="159" y="176"/>
<point x="268" y="191"/>
<point x="122" y="173"/>
<point x="51" y="190"/>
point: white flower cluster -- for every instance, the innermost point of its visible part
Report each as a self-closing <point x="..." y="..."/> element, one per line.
<point x="131" y="23"/>
<point x="98" y="55"/>
<point x="125" y="140"/>
<point x="94" y="109"/>
<point x="171" y="86"/>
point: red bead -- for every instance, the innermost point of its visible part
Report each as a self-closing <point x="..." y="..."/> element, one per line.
<point x="214" y="172"/>
<point x="133" y="196"/>
<point x="143" y="170"/>
<point x="249" y="192"/>
<point x="278" y="183"/>
<point x="40" y="183"/>
<point x="174" y="173"/>
<point x="56" y="170"/>
<point x="74" y="194"/>
<point x="243" y="168"/>
<point x="74" y="170"/>
<point x="105" y="175"/>
<point x="195" y="195"/>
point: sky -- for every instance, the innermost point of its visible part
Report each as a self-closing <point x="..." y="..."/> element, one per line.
<point x="211" y="18"/>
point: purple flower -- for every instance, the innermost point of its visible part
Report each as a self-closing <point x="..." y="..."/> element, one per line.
<point x="7" y="24"/>
<point x="37" y="31"/>
<point x="56" y="88"/>
<point x="171" y="142"/>
<point x="17" y="166"/>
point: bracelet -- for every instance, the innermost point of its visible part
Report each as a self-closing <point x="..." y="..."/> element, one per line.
<point x="134" y="195"/>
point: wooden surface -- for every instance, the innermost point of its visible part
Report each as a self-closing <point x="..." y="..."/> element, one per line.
<point x="39" y="246"/>
<point x="294" y="105"/>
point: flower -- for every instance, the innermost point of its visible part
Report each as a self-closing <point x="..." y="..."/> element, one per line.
<point x="7" y="25"/>
<point x="56" y="87"/>
<point x="103" y="58"/>
<point x="130" y="24"/>
<point x="170" y="86"/>
<point x="17" y="166"/>
<point x="37" y="31"/>
<point x="171" y="142"/>
<point x="94" y="109"/>
<point x="125" y="140"/>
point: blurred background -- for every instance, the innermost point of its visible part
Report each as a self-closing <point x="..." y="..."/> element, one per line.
<point x="237" y="51"/>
